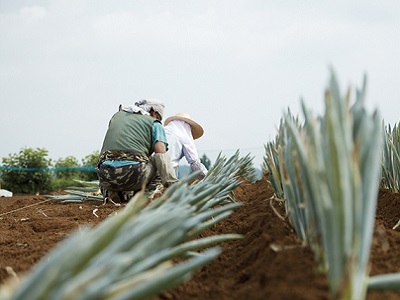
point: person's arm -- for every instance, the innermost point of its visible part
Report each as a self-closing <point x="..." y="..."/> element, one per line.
<point x="192" y="157"/>
<point x="159" y="141"/>
<point x="161" y="157"/>
<point x="159" y="147"/>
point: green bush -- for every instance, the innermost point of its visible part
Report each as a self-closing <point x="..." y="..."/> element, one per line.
<point x="90" y="161"/>
<point x="67" y="163"/>
<point x="37" y="179"/>
<point x="61" y="184"/>
<point x="65" y="174"/>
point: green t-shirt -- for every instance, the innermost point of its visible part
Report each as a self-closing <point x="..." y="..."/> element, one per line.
<point x="133" y="132"/>
<point x="158" y="134"/>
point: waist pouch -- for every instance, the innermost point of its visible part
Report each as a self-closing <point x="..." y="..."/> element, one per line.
<point x="130" y="177"/>
<point x="122" y="155"/>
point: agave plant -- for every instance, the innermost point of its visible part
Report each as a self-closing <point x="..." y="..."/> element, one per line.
<point x="391" y="159"/>
<point x="133" y="254"/>
<point x="330" y="174"/>
<point x="88" y="190"/>
<point x="270" y="166"/>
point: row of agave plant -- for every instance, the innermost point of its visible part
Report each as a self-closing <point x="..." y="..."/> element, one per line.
<point x="328" y="170"/>
<point x="144" y="249"/>
<point x="391" y="159"/>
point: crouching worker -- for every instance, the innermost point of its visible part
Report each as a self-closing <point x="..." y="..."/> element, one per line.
<point x="134" y="152"/>
<point x="181" y="132"/>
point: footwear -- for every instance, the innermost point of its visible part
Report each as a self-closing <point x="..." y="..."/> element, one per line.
<point x="116" y="197"/>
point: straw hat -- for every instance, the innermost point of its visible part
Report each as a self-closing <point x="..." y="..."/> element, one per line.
<point x="197" y="130"/>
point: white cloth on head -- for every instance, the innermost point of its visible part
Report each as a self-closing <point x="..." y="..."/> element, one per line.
<point x="181" y="144"/>
<point x="133" y="109"/>
<point x="144" y="107"/>
<point x="148" y="104"/>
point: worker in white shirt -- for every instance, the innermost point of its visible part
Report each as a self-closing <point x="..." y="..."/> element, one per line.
<point x="181" y="132"/>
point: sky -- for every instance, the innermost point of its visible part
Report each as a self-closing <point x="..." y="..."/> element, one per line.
<point x="235" y="66"/>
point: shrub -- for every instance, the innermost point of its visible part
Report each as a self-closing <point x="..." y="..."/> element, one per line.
<point x="64" y="168"/>
<point x="66" y="172"/>
<point x="37" y="179"/>
<point x="90" y="161"/>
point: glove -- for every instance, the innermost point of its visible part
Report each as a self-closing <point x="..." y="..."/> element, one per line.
<point x="197" y="165"/>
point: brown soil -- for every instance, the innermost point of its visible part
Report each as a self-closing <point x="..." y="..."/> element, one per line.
<point x="270" y="262"/>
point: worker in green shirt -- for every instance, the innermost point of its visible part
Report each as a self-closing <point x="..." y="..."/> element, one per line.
<point x="134" y="153"/>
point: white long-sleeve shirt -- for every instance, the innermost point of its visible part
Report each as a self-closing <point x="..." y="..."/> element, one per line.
<point x="181" y="144"/>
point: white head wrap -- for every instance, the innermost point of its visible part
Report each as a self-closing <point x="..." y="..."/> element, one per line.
<point x="144" y="107"/>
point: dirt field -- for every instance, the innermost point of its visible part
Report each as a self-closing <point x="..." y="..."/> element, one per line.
<point x="247" y="269"/>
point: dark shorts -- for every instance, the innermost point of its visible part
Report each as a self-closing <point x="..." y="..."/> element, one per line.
<point x="126" y="178"/>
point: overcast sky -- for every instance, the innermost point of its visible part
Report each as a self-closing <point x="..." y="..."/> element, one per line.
<point x="234" y="66"/>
